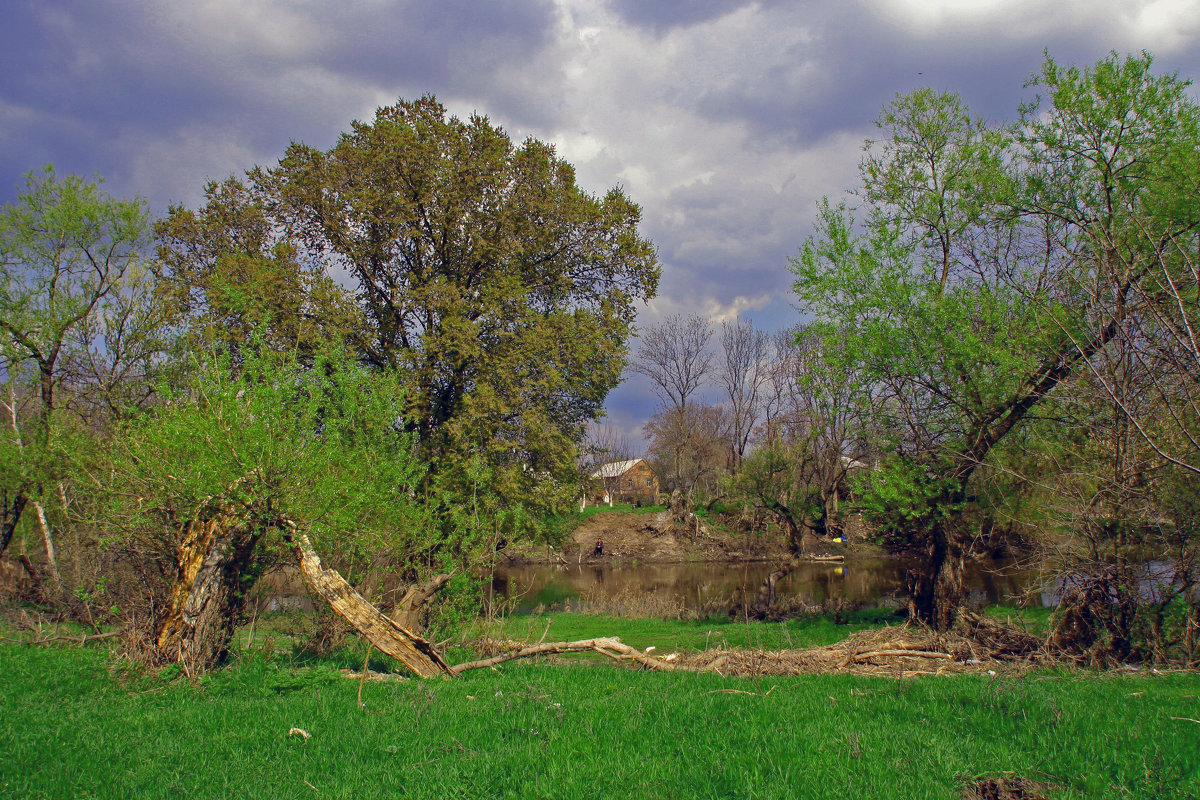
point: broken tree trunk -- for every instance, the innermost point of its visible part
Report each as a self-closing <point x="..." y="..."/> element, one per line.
<point x="398" y="642"/>
<point x="213" y="565"/>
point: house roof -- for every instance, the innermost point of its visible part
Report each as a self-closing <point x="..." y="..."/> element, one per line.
<point x="615" y="469"/>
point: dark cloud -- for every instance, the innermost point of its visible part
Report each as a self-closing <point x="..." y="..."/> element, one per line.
<point x="725" y="119"/>
<point x="663" y="15"/>
<point x="97" y="78"/>
<point x="844" y="61"/>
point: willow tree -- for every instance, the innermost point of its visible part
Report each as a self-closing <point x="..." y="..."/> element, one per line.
<point x="238" y="468"/>
<point x="502" y="293"/>
<point x="989" y="266"/>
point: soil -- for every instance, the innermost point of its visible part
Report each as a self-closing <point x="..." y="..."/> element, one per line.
<point x="1006" y="789"/>
<point x="655" y="538"/>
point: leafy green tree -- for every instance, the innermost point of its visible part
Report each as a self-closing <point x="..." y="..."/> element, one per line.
<point x="991" y="265"/>
<point x="500" y="292"/>
<point x="225" y="276"/>
<point x="70" y="305"/>
<point x="208" y="482"/>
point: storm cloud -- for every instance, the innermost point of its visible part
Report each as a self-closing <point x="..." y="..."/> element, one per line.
<point x="727" y="121"/>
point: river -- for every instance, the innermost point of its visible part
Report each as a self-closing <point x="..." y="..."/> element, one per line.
<point x="690" y="588"/>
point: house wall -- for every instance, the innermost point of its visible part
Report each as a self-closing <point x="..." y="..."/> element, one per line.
<point x="638" y="483"/>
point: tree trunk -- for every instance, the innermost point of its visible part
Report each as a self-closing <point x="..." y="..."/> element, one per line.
<point x="398" y="642"/>
<point x="935" y="586"/>
<point x="214" y="571"/>
<point x="11" y="516"/>
<point x="407" y="613"/>
<point x="48" y="539"/>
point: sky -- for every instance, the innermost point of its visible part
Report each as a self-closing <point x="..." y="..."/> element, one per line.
<point x="727" y="121"/>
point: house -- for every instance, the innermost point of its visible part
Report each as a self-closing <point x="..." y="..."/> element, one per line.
<point x="628" y="481"/>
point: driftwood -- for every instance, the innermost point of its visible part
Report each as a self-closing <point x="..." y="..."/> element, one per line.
<point x="397" y="641"/>
<point x="609" y="646"/>
<point x="860" y="657"/>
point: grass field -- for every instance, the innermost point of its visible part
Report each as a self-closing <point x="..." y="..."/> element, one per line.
<point x="74" y="726"/>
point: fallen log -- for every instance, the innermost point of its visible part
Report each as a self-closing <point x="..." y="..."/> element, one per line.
<point x="414" y="652"/>
<point x="609" y="646"/>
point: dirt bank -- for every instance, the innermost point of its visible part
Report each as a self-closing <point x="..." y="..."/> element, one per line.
<point x="653" y="538"/>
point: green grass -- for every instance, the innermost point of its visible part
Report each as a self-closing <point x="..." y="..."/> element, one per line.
<point x="622" y="508"/>
<point x="667" y="635"/>
<point x="69" y="728"/>
<point x="1035" y="619"/>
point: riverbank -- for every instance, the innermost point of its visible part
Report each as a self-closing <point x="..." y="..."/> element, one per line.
<point x="282" y="725"/>
<point x="653" y="537"/>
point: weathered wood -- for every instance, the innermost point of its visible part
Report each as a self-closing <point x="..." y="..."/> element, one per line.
<point x="206" y="597"/>
<point x="859" y="657"/>
<point x="398" y="642"/>
<point x="48" y="538"/>
<point x="609" y="646"/>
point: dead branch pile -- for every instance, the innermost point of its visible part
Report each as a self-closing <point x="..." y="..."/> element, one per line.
<point x="905" y="650"/>
<point x="978" y="644"/>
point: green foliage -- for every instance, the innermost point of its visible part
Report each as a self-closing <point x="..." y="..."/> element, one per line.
<point x="225" y="277"/>
<point x="992" y="263"/>
<point x="901" y="497"/>
<point x="778" y="478"/>
<point x="321" y="445"/>
<point x="73" y="317"/>
<point x="64" y="246"/>
<point x="502" y="294"/>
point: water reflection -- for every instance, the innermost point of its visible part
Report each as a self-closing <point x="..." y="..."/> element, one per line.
<point x="703" y="586"/>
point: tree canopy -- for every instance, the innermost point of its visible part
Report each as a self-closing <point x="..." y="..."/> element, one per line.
<point x="990" y="264"/>
<point x="501" y="292"/>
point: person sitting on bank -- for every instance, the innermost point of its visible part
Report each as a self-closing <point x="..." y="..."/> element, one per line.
<point x="599" y="551"/>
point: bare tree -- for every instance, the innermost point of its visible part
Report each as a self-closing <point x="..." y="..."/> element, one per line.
<point x="819" y="411"/>
<point x="674" y="355"/>
<point x="689" y="447"/>
<point x="743" y="372"/>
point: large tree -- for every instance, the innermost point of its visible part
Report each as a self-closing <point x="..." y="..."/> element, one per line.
<point x="502" y="292"/>
<point x="483" y="271"/>
<point x="991" y="265"/>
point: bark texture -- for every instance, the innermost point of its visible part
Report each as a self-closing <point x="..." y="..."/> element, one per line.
<point x="407" y="613"/>
<point x="214" y="569"/>
<point x="398" y="642"/>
